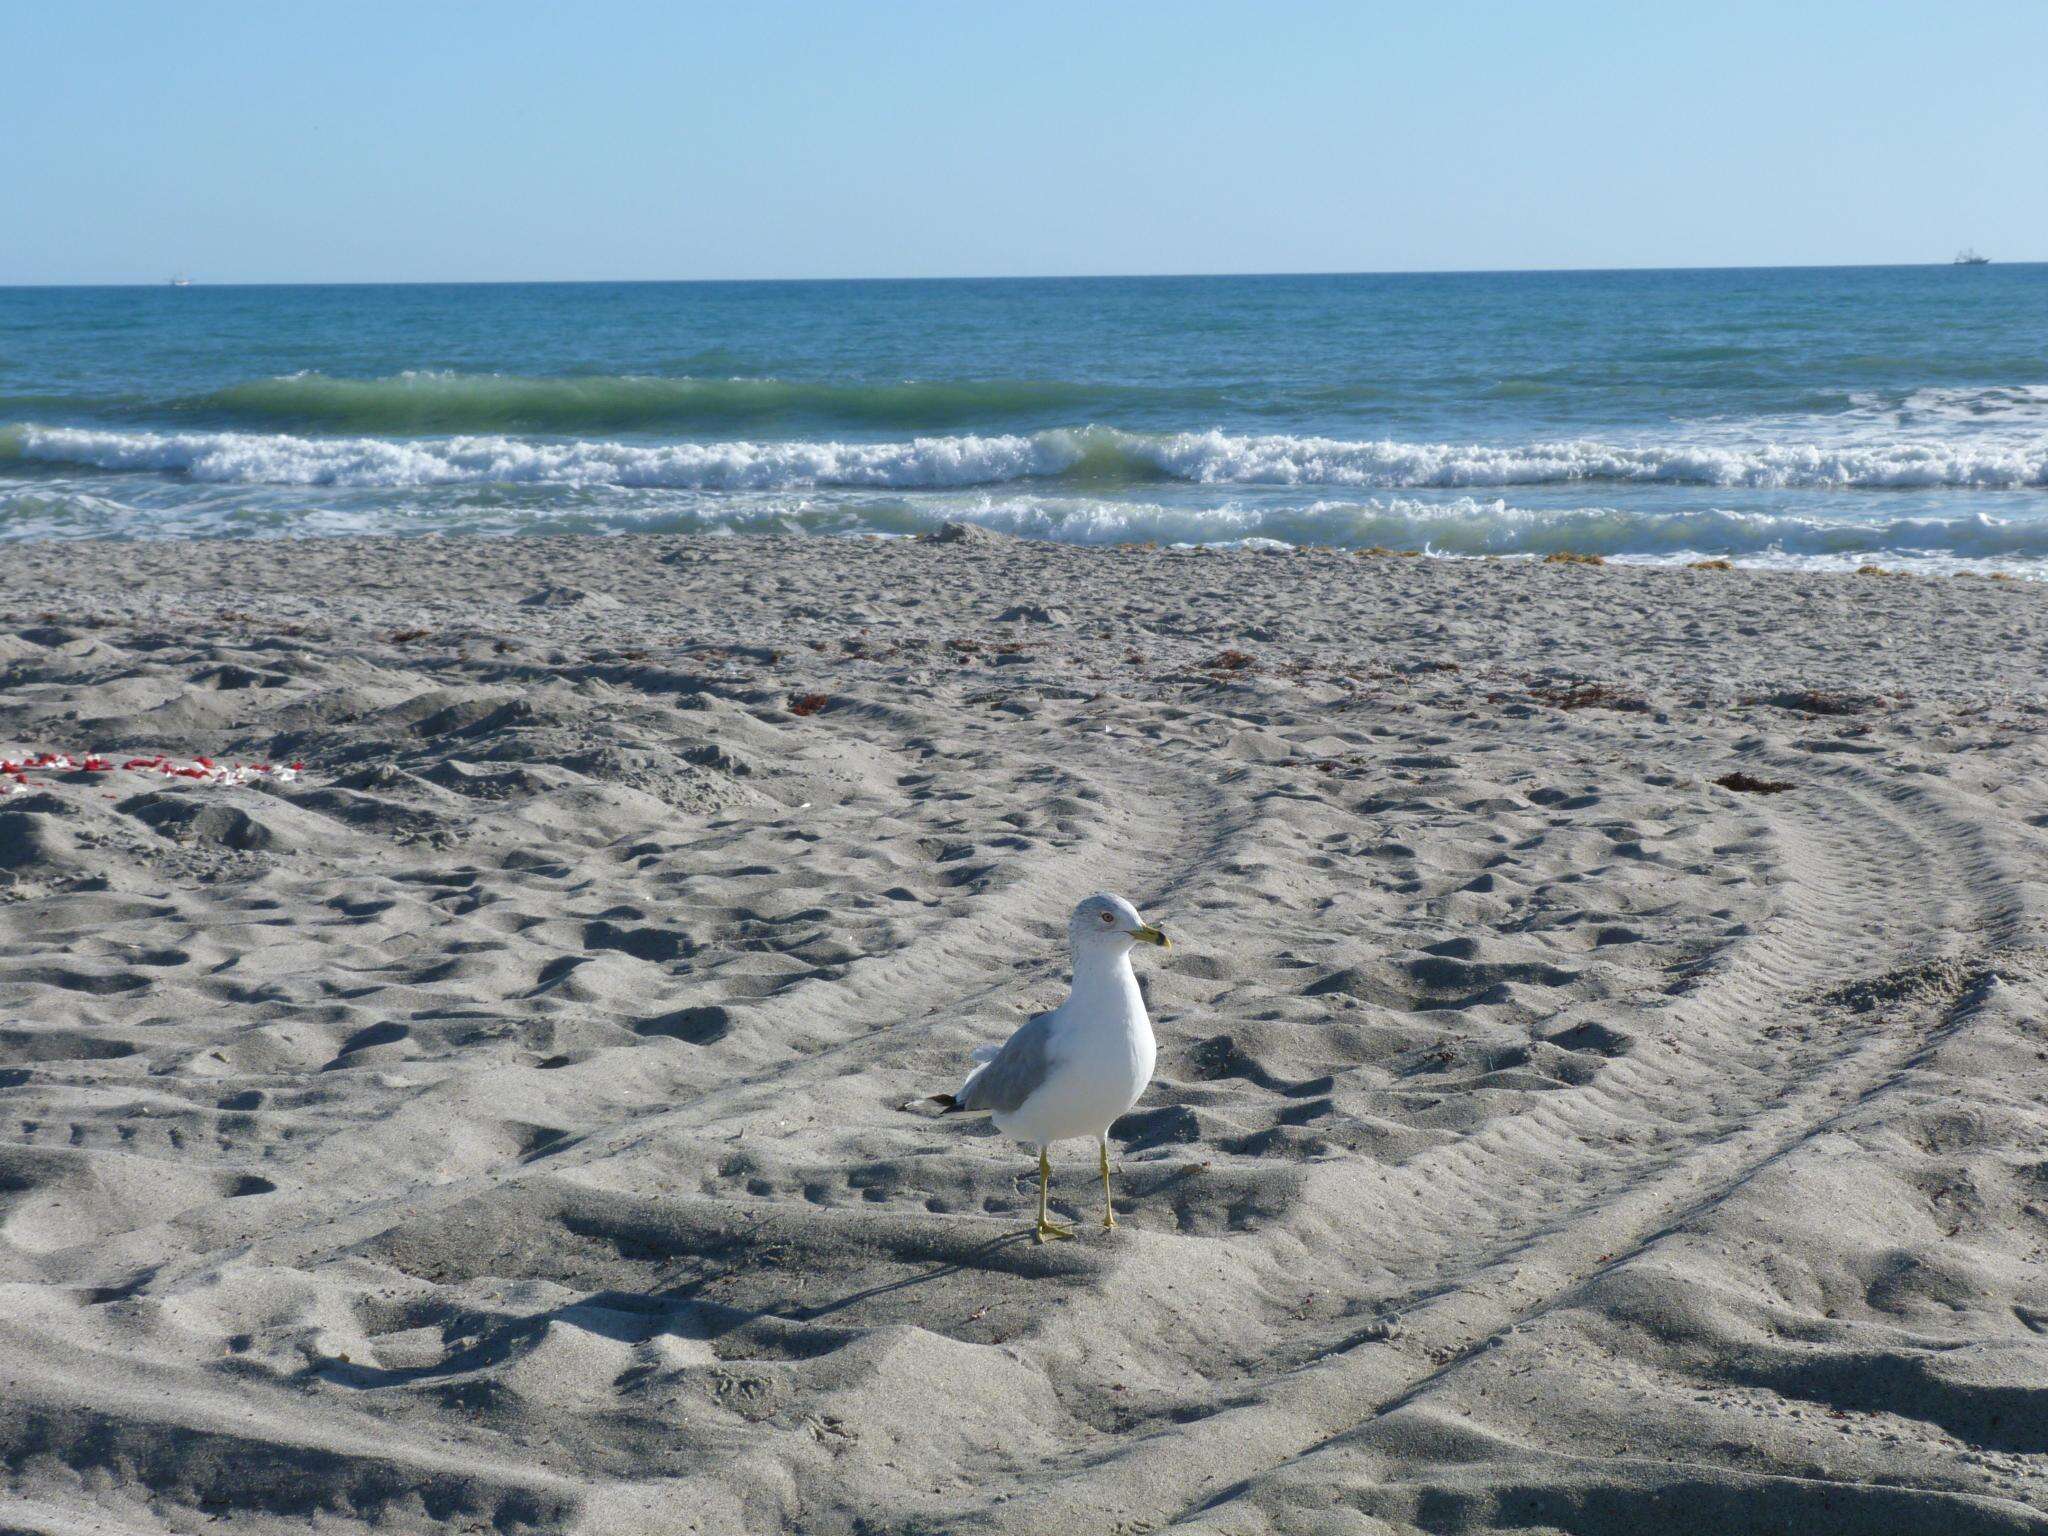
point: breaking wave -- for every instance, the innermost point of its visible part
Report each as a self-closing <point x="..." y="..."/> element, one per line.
<point x="1092" y="455"/>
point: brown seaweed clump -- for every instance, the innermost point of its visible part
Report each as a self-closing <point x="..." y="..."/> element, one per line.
<point x="1745" y="784"/>
<point x="1818" y="701"/>
<point x="1589" y="696"/>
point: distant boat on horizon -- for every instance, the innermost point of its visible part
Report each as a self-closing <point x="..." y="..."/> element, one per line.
<point x="181" y="282"/>
<point x="1969" y="258"/>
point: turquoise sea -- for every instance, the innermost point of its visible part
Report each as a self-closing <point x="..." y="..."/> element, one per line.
<point x="1787" y="416"/>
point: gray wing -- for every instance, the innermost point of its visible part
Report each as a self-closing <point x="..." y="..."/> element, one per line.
<point x="1013" y="1076"/>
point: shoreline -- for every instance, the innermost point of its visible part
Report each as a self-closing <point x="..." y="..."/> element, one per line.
<point x="1904" y="563"/>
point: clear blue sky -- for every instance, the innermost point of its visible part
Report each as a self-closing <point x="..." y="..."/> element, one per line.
<point x="281" y="142"/>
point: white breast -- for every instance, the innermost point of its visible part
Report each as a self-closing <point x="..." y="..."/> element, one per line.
<point x="1101" y="1054"/>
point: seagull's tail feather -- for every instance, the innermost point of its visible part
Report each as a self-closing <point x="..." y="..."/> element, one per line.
<point x="961" y="1103"/>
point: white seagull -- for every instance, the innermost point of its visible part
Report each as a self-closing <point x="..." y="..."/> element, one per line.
<point x="1072" y="1071"/>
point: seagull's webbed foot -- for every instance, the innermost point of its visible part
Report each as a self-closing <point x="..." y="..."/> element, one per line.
<point x="1052" y="1231"/>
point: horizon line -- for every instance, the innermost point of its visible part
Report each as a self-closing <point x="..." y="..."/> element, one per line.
<point x="1012" y="277"/>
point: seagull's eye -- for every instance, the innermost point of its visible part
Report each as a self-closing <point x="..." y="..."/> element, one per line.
<point x="1109" y="917"/>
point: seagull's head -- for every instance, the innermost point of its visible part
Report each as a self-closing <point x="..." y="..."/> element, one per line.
<point x="1106" y="922"/>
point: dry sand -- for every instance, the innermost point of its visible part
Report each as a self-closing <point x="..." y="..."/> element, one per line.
<point x="502" y="1127"/>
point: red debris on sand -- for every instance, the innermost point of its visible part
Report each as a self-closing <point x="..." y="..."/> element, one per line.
<point x="14" y="772"/>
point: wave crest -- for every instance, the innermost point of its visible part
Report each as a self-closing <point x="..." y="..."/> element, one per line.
<point x="426" y="401"/>
<point x="1093" y="455"/>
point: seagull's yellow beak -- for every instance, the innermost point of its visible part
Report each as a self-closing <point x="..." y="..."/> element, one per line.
<point x="1150" y="935"/>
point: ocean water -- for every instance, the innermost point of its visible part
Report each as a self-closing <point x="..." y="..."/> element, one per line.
<point x="1809" y="416"/>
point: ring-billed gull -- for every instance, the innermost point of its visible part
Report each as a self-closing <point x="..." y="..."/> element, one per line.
<point x="1072" y="1071"/>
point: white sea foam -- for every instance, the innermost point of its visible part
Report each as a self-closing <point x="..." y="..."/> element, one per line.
<point x="283" y="459"/>
<point x="1470" y="526"/>
<point x="1214" y="457"/>
<point x="1456" y="525"/>
<point x="1209" y="458"/>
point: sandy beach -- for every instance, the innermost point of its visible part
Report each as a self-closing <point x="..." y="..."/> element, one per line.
<point x="514" y="1121"/>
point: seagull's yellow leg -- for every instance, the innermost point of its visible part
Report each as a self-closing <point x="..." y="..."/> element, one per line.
<point x="1108" y="1210"/>
<point x="1047" y="1229"/>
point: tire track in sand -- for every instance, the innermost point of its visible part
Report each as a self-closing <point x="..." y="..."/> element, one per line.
<point x="1165" y="825"/>
<point x="1868" y="838"/>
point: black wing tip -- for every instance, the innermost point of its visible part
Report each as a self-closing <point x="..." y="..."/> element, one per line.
<point x="948" y="1105"/>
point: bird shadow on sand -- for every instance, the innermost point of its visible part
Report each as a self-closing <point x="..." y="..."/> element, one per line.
<point x="938" y="1272"/>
